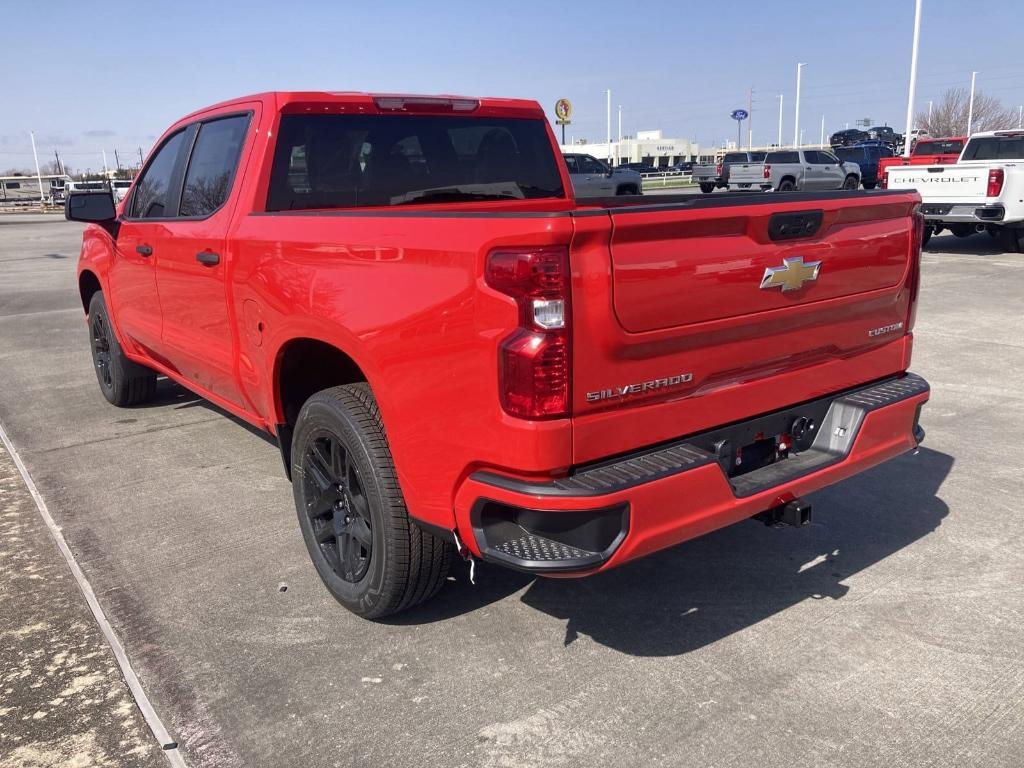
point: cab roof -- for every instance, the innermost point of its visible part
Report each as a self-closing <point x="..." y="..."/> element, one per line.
<point x="359" y="102"/>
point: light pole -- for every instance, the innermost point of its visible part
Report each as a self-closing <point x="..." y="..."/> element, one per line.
<point x="970" y="108"/>
<point x="822" y="140"/>
<point x="796" y="117"/>
<point x="913" y="77"/>
<point x="929" y="110"/>
<point x="618" y="144"/>
<point x="1020" y="116"/>
<point x="608" y="93"/>
<point x="779" y="144"/>
<point x="39" y="176"/>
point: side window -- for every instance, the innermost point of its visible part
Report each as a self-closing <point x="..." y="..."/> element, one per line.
<point x="211" y="167"/>
<point x="570" y="162"/>
<point x="590" y="165"/>
<point x="828" y="158"/>
<point x="813" y="157"/>
<point x="150" y="198"/>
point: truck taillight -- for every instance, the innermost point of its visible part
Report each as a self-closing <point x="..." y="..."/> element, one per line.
<point x="767" y="171"/>
<point x="995" y="182"/>
<point x="914" y="273"/>
<point x="534" y="361"/>
<point x="884" y="181"/>
<point x="718" y="170"/>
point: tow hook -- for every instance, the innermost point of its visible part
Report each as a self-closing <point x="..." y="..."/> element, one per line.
<point x="463" y="550"/>
<point x="793" y="513"/>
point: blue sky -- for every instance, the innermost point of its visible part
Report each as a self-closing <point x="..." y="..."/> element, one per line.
<point x="90" y="76"/>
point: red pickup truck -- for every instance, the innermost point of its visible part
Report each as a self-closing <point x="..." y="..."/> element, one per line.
<point x="927" y="151"/>
<point x="458" y="358"/>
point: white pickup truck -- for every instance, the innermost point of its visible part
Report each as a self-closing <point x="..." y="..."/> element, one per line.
<point x="982" y="192"/>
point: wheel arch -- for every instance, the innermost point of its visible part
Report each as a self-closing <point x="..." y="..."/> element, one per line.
<point x="303" y="366"/>
<point x="88" y="286"/>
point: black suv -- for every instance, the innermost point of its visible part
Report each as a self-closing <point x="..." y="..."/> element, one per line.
<point x="847" y="137"/>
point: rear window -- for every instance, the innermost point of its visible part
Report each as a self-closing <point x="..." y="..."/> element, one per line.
<point x="782" y="157"/>
<point x="932" y="147"/>
<point x="853" y="154"/>
<point x="995" y="148"/>
<point x="353" y="161"/>
<point x="735" y="157"/>
<point x="757" y="157"/>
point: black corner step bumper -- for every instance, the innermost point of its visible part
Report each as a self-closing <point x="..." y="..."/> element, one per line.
<point x="536" y="536"/>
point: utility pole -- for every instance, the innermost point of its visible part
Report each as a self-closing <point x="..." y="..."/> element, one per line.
<point x="913" y="78"/>
<point x="780" y="121"/>
<point x="608" y="93"/>
<point x="970" y="109"/>
<point x="60" y="167"/>
<point x="796" y="118"/>
<point x="140" y="158"/>
<point x="750" y="118"/>
<point x="39" y="176"/>
<point x="117" y="160"/>
<point x="105" y="172"/>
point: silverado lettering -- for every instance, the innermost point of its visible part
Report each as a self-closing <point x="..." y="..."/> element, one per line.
<point x="646" y="386"/>
<point x="406" y="293"/>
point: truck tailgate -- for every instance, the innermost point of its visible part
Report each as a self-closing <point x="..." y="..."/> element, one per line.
<point x="942" y="182"/>
<point x="696" y="305"/>
<point x="746" y="173"/>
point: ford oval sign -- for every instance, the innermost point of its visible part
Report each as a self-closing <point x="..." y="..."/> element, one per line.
<point x="739" y="114"/>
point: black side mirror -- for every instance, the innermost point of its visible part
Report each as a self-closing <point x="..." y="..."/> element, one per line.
<point x="92" y="207"/>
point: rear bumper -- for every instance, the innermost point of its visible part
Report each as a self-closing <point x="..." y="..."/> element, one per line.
<point x="963" y="213"/>
<point x="608" y="513"/>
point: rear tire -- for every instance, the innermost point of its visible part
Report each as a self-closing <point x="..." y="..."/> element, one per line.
<point x="367" y="551"/>
<point x="1009" y="240"/>
<point x="627" y="189"/>
<point x="869" y="184"/>
<point x="786" y="185"/>
<point x="707" y="188"/>
<point x="851" y="182"/>
<point x="927" y="234"/>
<point x="123" y="382"/>
<point x="962" y="230"/>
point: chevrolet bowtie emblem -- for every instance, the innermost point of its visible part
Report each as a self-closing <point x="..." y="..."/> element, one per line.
<point x="791" y="275"/>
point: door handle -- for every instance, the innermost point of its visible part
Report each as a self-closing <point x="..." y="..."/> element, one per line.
<point x="208" y="258"/>
<point x="143" y="250"/>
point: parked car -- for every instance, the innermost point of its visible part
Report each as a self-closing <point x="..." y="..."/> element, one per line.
<point x="711" y="176"/>
<point x="638" y="167"/>
<point x="886" y="134"/>
<point x="865" y="156"/>
<point x="796" y="169"/>
<point x="592" y="178"/>
<point x="458" y="358"/>
<point x="120" y="188"/>
<point x="927" y="151"/>
<point x="681" y="167"/>
<point x="849" y="136"/>
<point x="983" y="191"/>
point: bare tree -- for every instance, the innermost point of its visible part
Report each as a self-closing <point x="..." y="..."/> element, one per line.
<point x="949" y="114"/>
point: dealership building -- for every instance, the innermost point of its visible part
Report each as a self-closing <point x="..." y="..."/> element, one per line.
<point x="649" y="148"/>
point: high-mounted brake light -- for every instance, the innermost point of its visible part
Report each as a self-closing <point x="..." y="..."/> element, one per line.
<point x="424" y="104"/>
<point x="995" y="182"/>
<point x="533" y="362"/>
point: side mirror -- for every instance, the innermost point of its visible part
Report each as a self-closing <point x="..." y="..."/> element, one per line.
<point x="91" y="207"/>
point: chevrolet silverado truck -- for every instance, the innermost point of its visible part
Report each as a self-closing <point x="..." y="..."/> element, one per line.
<point x="926" y="151"/>
<point x="712" y="176"/>
<point x="458" y="358"/>
<point x="982" y="192"/>
<point x="795" y="169"/>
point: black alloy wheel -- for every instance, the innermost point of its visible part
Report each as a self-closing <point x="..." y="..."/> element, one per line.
<point x="99" y="333"/>
<point x="338" y="508"/>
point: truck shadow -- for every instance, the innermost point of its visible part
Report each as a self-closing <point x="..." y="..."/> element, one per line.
<point x="692" y="595"/>
<point x="980" y="244"/>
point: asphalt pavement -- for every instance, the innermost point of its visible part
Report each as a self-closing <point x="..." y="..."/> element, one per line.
<point x="890" y="632"/>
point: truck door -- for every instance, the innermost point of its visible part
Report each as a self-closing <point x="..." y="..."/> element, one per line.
<point x="815" y="176"/>
<point x="833" y="174"/>
<point x="134" y="300"/>
<point x="192" y="266"/>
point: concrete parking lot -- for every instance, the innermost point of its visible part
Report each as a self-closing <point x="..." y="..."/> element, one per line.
<point x="890" y="632"/>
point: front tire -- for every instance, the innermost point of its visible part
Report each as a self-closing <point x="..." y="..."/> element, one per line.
<point x="123" y="382"/>
<point x="627" y="190"/>
<point x="367" y="551"/>
<point x="851" y="182"/>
